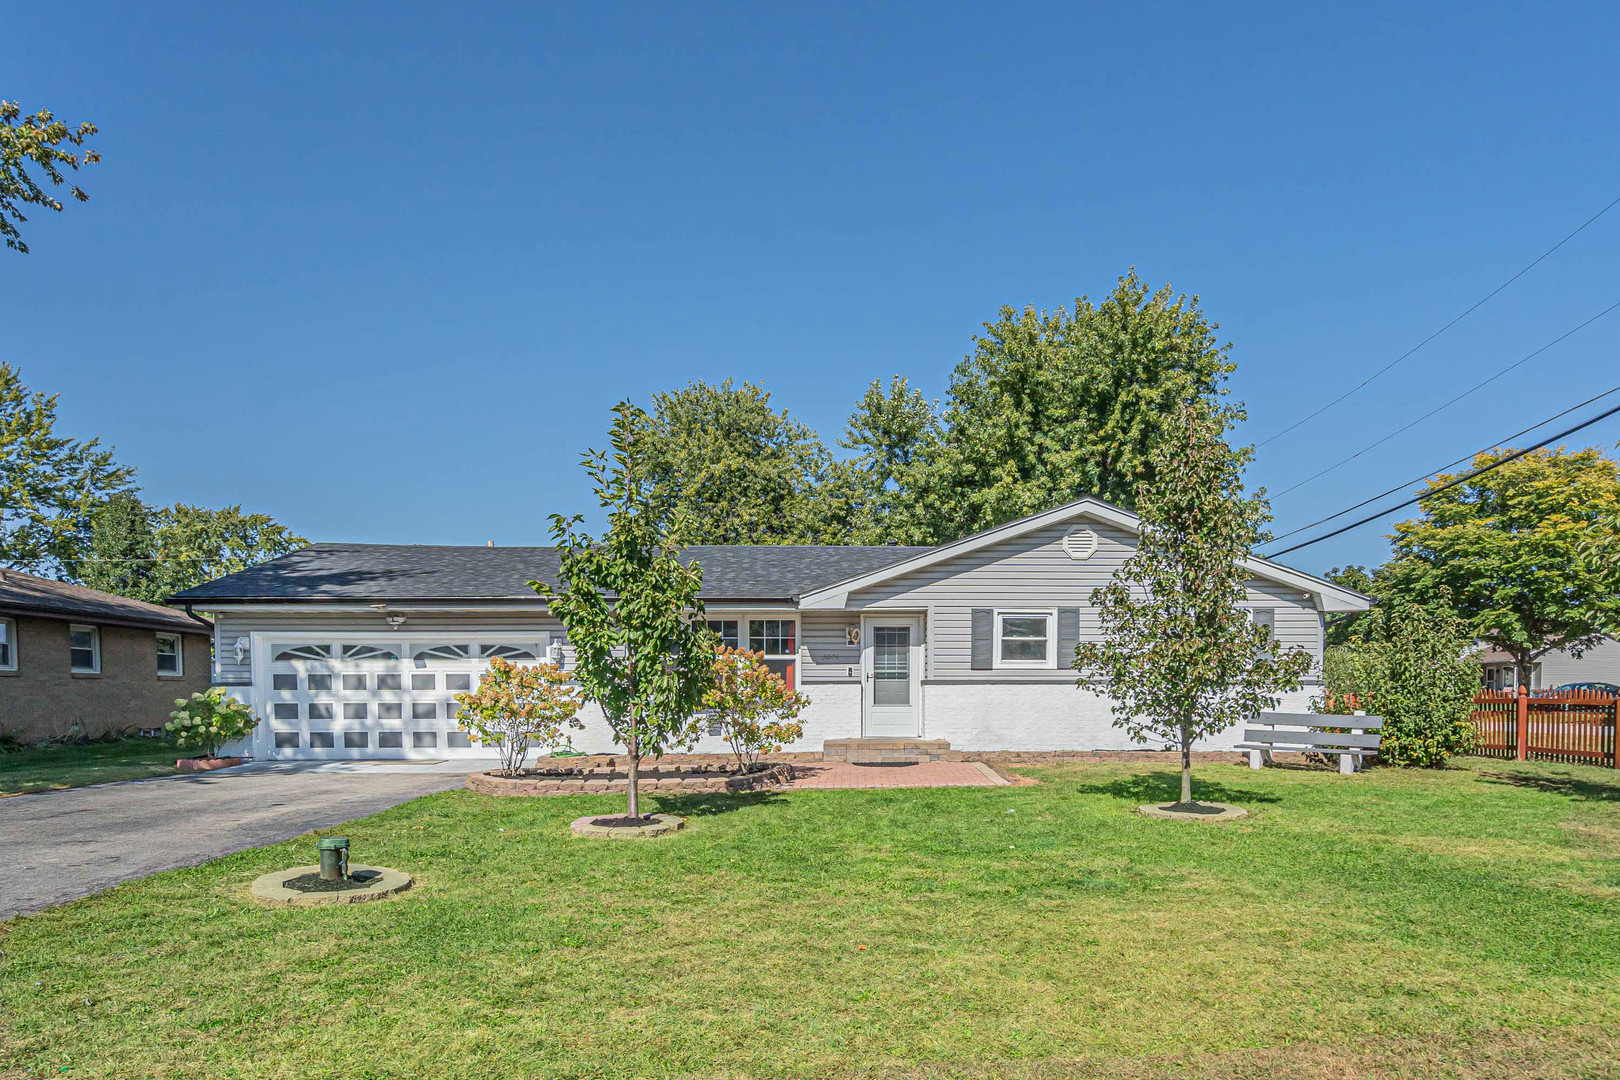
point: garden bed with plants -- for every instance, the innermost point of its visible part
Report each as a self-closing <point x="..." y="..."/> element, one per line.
<point x="609" y="775"/>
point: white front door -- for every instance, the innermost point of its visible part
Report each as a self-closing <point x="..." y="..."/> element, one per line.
<point x="891" y="668"/>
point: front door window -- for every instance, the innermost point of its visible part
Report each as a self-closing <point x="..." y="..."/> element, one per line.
<point x="891" y="665"/>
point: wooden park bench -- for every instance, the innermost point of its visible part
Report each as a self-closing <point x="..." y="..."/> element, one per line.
<point x="1309" y="733"/>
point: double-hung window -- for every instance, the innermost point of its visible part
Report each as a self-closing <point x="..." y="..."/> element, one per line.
<point x="1025" y="639"/>
<point x="84" y="649"/>
<point x="8" y="645"/>
<point x="727" y="630"/>
<point x="169" y="659"/>
<point x="778" y="640"/>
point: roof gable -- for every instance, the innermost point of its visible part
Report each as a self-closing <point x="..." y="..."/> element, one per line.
<point x="1329" y="597"/>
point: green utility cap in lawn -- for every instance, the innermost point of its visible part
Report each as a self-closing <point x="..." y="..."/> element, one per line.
<point x="334" y="857"/>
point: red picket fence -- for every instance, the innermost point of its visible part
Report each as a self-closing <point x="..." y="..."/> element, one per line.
<point x="1576" y="726"/>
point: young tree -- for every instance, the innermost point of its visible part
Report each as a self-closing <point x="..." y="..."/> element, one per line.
<point x="40" y="139"/>
<point x="516" y="706"/>
<point x="1053" y="406"/>
<point x="630" y="605"/>
<point x="753" y="705"/>
<point x="1410" y="666"/>
<point x="1511" y="552"/>
<point x="1180" y="654"/>
<point x="736" y="470"/>
<point x="50" y="485"/>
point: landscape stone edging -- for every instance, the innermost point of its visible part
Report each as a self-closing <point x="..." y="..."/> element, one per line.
<point x="1228" y="812"/>
<point x="661" y="825"/>
<point x="687" y="780"/>
<point x="272" y="888"/>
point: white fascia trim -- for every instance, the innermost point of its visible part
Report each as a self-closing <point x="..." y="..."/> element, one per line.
<point x="1332" y="597"/>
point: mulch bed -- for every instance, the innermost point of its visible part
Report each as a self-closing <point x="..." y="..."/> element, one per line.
<point x="623" y="821"/>
<point x="1193" y="808"/>
<point x="314" y="883"/>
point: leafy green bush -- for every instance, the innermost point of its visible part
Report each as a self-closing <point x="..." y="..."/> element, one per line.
<point x="1410" y="668"/>
<point x="208" y="720"/>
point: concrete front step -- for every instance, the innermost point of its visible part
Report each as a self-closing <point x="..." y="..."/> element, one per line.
<point x="880" y="750"/>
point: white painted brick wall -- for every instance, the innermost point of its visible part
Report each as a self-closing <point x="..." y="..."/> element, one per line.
<point x="1047" y="716"/>
<point x="834" y="713"/>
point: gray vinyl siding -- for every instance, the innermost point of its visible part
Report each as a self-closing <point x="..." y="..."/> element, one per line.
<point x="1033" y="572"/>
<point x="825" y="654"/>
<point x="230" y="625"/>
<point x="1599" y="664"/>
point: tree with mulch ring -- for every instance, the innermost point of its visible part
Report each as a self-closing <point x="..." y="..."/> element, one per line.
<point x="631" y="606"/>
<point x="1182" y="654"/>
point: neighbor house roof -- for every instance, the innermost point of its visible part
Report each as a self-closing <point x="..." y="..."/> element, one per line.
<point x="26" y="594"/>
<point x="383" y="572"/>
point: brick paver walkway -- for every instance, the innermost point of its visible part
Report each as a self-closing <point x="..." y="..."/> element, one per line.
<point x="840" y="774"/>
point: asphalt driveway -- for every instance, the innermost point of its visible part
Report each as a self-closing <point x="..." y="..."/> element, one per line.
<point x="61" y="845"/>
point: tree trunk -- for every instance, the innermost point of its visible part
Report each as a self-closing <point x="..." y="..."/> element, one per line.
<point x="1186" y="765"/>
<point x="635" y="770"/>
<point x="1522" y="669"/>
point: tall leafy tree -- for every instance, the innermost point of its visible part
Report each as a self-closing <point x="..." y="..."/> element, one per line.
<point x="50" y="485"/>
<point x="736" y="470"/>
<point x="151" y="553"/>
<point x="630" y="605"/>
<point x="49" y="145"/>
<point x="1181" y="657"/>
<point x="892" y="430"/>
<point x="122" y="557"/>
<point x="1512" y="551"/>
<point x="1052" y="406"/>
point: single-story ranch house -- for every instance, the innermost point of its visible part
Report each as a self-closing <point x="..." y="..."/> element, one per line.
<point x="356" y="650"/>
<point x="79" y="663"/>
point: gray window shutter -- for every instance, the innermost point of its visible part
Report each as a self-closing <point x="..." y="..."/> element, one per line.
<point x="1266" y="617"/>
<point x="1068" y="635"/>
<point x="984" y="638"/>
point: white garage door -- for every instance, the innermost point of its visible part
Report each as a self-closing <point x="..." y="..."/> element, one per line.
<point x="376" y="699"/>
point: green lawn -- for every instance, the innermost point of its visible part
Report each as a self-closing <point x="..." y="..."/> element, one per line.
<point x="1458" y="923"/>
<point x="51" y="767"/>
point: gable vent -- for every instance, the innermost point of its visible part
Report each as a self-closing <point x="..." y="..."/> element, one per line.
<point x="1080" y="544"/>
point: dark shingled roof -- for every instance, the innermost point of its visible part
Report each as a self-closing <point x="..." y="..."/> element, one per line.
<point x="375" y="572"/>
<point x="25" y="594"/>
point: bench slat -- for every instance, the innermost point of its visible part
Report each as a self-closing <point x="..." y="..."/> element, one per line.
<point x="1320" y="720"/>
<point x="1275" y="749"/>
<point x="1311" y="738"/>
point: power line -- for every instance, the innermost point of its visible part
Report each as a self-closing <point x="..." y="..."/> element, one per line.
<point x="1448" y="404"/>
<point x="1467" y="457"/>
<point x="1448" y="485"/>
<point x="1477" y="304"/>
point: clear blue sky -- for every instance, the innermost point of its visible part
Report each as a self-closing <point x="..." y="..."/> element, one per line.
<point x="381" y="270"/>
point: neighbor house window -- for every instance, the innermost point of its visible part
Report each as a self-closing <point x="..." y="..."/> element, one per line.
<point x="84" y="649"/>
<point x="8" y="645"/>
<point x="169" y="660"/>
<point x="1024" y="639"/>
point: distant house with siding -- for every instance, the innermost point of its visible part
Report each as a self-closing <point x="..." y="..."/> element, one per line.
<point x="1599" y="664"/>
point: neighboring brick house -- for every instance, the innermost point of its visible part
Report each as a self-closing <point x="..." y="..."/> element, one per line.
<point x="80" y="662"/>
